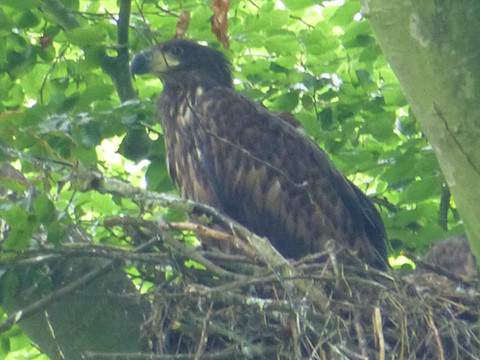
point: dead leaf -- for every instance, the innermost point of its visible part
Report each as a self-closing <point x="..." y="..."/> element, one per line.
<point x="45" y="41"/>
<point x="182" y="24"/>
<point x="219" y="20"/>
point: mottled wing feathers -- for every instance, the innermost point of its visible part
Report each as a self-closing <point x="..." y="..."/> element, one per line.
<point x="276" y="181"/>
<point x="374" y="227"/>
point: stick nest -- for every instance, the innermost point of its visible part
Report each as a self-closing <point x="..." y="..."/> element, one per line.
<point x="324" y="306"/>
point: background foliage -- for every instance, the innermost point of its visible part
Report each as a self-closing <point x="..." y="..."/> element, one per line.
<point x="60" y="110"/>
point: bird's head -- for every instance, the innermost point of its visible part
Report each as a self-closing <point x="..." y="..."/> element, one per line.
<point x="182" y="61"/>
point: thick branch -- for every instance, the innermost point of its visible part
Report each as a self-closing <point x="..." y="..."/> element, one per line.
<point x="116" y="67"/>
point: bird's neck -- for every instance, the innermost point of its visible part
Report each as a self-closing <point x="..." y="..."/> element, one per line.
<point x="177" y="104"/>
<point x="180" y="93"/>
<point x="191" y="86"/>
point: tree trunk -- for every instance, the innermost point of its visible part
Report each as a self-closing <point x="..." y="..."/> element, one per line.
<point x="433" y="48"/>
<point x="104" y="315"/>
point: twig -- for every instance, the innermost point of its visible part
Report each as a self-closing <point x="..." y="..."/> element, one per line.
<point x="180" y="248"/>
<point x="232" y="352"/>
<point x="219" y="256"/>
<point x="51" y="330"/>
<point x="85" y="250"/>
<point x="310" y="26"/>
<point x="201" y="230"/>
<point x="362" y="343"/>
<point x="438" y="269"/>
<point x="383" y="201"/>
<point x="378" y="329"/>
<point x="444" y="207"/>
<point x="202" y="343"/>
<point x="351" y="354"/>
<point x="189" y="252"/>
<point x="50" y="71"/>
<point x="166" y="11"/>
<point x="436" y="336"/>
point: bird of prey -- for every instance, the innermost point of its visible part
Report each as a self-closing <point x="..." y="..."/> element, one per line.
<point x="229" y="152"/>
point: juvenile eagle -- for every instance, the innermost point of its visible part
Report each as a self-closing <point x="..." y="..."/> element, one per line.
<point x="231" y="153"/>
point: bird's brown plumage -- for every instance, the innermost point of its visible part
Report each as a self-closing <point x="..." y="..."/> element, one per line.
<point x="229" y="152"/>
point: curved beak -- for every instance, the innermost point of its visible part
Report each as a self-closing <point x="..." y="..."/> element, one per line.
<point x="153" y="61"/>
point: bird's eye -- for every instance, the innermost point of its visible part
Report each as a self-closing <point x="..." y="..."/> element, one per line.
<point x="176" y="51"/>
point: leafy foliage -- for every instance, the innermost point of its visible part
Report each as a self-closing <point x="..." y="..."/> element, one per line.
<point x="60" y="112"/>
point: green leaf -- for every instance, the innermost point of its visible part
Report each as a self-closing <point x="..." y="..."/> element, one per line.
<point x="44" y="209"/>
<point x="5" y="344"/>
<point x="358" y="34"/>
<point x="157" y="150"/>
<point x="157" y="177"/>
<point x="381" y="126"/>
<point x="102" y="203"/>
<point x="286" y="102"/>
<point x="94" y="93"/>
<point x="11" y="178"/>
<point x="270" y="19"/>
<point x="299" y="4"/>
<point x="89" y="135"/>
<point x="6" y="23"/>
<point x="21" y="5"/>
<point x="56" y="232"/>
<point x="326" y="118"/>
<point x="71" y="4"/>
<point x="393" y="95"/>
<point x="365" y="80"/>
<point x="282" y="43"/>
<point x="28" y="20"/>
<point x="192" y="264"/>
<point x="94" y="55"/>
<point x="86" y="155"/>
<point x="345" y="13"/>
<point x="86" y="35"/>
<point x="307" y="102"/>
<point x="15" y="96"/>
<point x="399" y="171"/>
<point x="421" y="190"/>
<point x="22" y="226"/>
<point x="174" y="214"/>
<point x="135" y="145"/>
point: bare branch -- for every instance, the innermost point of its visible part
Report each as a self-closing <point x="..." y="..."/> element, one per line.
<point x="118" y="67"/>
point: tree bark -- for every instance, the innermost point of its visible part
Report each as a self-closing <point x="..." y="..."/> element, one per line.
<point x="433" y="48"/>
<point x="104" y="315"/>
